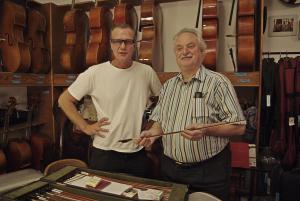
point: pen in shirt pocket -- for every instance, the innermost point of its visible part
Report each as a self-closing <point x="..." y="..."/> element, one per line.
<point x="199" y="94"/>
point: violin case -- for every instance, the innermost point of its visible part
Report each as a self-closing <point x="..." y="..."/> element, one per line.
<point x="285" y="184"/>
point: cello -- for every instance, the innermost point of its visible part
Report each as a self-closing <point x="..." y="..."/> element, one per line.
<point x="151" y="49"/>
<point x="3" y="160"/>
<point x="15" y="52"/>
<point x="40" y="57"/>
<point x="124" y="13"/>
<point x="245" y="36"/>
<point x="72" y="57"/>
<point x="210" y="32"/>
<point x="99" y="22"/>
<point x="18" y="151"/>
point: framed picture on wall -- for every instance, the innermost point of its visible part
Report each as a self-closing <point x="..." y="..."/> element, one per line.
<point x="284" y="25"/>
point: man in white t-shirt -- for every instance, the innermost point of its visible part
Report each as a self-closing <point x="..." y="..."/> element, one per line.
<point x="120" y="90"/>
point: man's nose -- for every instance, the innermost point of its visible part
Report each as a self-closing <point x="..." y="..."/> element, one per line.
<point x="123" y="45"/>
<point x="185" y="50"/>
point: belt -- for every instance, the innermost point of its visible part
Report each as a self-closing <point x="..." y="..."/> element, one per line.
<point x="183" y="165"/>
<point x="195" y="164"/>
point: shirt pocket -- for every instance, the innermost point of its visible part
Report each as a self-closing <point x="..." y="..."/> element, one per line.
<point x="198" y="110"/>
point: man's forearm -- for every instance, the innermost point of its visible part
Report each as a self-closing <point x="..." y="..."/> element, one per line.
<point x="71" y="112"/>
<point x="226" y="130"/>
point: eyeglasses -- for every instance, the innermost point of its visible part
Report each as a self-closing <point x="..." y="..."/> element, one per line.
<point x="121" y="41"/>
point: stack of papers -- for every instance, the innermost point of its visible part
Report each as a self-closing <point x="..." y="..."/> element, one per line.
<point x="149" y="194"/>
<point x="86" y="181"/>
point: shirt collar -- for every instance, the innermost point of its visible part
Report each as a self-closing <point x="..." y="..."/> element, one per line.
<point x="200" y="74"/>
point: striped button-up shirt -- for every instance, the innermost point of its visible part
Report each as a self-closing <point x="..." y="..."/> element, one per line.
<point x="208" y="98"/>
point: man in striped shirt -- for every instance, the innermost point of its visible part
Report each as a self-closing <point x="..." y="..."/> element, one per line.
<point x="194" y="99"/>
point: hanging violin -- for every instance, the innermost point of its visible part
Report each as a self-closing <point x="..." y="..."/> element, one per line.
<point x="124" y="13"/>
<point x="36" y="31"/>
<point x="245" y="36"/>
<point x="210" y="32"/>
<point x="98" y="48"/>
<point x="18" y="151"/>
<point x="72" y="58"/>
<point x="151" y="48"/>
<point x="15" y="52"/>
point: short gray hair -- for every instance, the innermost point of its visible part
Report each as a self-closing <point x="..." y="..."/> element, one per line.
<point x="196" y="32"/>
<point x="123" y="26"/>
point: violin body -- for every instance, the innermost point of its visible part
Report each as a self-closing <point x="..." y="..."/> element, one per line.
<point x="210" y="32"/>
<point x="40" y="57"/>
<point x="3" y="162"/>
<point x="99" y="46"/>
<point x="125" y="13"/>
<point x="19" y="154"/>
<point x="245" y="36"/>
<point x="41" y="149"/>
<point x="18" y="151"/>
<point x="15" y="52"/>
<point x="72" y="58"/>
<point x="151" y="49"/>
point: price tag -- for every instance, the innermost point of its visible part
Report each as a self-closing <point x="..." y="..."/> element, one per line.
<point x="268" y="99"/>
<point x="291" y="121"/>
<point x="244" y="80"/>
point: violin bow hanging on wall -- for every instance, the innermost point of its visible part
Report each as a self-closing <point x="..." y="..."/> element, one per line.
<point x="231" y="12"/>
<point x="198" y="14"/>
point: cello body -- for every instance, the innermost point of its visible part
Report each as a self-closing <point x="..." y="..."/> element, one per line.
<point x="245" y="36"/>
<point x="19" y="154"/>
<point x="18" y="151"/>
<point x="124" y="13"/>
<point x="72" y="58"/>
<point x="3" y="162"/>
<point x="15" y="52"/>
<point x="99" y="46"/>
<point x="40" y="57"/>
<point x="210" y="32"/>
<point x="151" y="48"/>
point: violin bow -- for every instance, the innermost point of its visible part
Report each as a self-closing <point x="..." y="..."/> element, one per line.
<point x="175" y="132"/>
<point x="232" y="59"/>
<point x="231" y="12"/>
<point x="198" y="14"/>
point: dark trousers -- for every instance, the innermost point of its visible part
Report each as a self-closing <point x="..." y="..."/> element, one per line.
<point x="137" y="164"/>
<point x="211" y="176"/>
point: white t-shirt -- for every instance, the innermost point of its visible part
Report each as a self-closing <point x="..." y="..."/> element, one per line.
<point x="120" y="95"/>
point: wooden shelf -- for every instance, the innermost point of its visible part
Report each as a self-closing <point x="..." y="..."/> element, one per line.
<point x="21" y="126"/>
<point x="63" y="79"/>
<point x="166" y="1"/>
<point x="24" y="79"/>
<point x="244" y="79"/>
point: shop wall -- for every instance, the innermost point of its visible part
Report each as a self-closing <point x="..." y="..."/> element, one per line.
<point x="177" y="15"/>
<point x="284" y="43"/>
